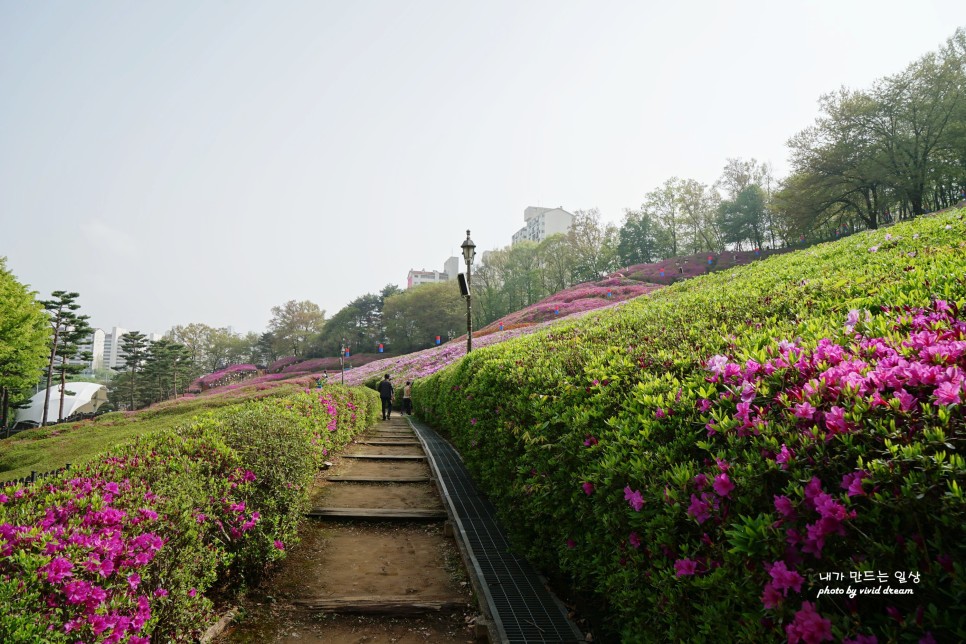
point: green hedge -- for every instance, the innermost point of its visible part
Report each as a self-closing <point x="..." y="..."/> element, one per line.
<point x="705" y="457"/>
<point x="134" y="546"/>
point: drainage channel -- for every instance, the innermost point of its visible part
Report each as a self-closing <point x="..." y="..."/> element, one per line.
<point x="521" y="608"/>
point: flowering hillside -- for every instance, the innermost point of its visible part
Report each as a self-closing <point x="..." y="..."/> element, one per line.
<point x="676" y="269"/>
<point x="767" y="453"/>
<point x="576" y="299"/>
<point x="621" y="286"/>
<point x="132" y="546"/>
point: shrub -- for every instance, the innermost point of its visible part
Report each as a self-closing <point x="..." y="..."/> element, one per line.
<point x="709" y="458"/>
<point x="135" y="544"/>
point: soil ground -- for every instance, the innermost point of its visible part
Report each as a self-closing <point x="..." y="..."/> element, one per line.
<point x="364" y="558"/>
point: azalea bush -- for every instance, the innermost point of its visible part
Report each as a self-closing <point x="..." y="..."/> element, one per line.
<point x="135" y="546"/>
<point x="738" y="456"/>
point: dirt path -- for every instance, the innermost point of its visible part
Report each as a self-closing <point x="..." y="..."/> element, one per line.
<point x="407" y="572"/>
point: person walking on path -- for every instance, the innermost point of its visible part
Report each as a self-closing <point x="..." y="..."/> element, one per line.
<point x="408" y="398"/>
<point x="386" y="391"/>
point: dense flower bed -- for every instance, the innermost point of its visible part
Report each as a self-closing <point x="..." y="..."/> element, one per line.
<point x="228" y="375"/>
<point x="428" y="361"/>
<point x="132" y="547"/>
<point x="577" y="299"/>
<point x="772" y="453"/>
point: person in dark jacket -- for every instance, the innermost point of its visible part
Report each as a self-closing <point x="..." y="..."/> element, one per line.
<point x="386" y="391"/>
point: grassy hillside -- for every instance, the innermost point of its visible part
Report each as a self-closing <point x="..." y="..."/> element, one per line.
<point x="50" y="448"/>
<point x="707" y="458"/>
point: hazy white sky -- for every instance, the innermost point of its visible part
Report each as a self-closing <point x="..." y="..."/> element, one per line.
<point x="180" y="162"/>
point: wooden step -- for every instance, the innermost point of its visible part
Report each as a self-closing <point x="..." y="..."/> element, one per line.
<point x="375" y="513"/>
<point x="387" y="443"/>
<point x="379" y="479"/>
<point x="380" y="605"/>
<point x="390" y="457"/>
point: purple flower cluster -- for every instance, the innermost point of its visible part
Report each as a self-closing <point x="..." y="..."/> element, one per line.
<point x="834" y="389"/>
<point x="576" y="299"/>
<point x="99" y="537"/>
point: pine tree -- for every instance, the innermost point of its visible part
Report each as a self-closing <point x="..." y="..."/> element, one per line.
<point x="62" y="317"/>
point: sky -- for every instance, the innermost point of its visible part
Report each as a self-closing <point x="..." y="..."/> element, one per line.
<point x="190" y="161"/>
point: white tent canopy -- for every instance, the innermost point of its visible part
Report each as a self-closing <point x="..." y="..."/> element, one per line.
<point x="79" y="398"/>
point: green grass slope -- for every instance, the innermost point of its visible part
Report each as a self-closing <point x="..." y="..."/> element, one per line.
<point x="45" y="449"/>
<point x="717" y="461"/>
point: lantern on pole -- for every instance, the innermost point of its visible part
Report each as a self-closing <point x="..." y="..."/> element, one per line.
<point x="469" y="252"/>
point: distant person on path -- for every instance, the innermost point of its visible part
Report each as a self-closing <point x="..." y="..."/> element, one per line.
<point x="386" y="391"/>
<point x="408" y="398"/>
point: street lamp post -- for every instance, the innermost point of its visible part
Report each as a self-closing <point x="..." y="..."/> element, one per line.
<point x="469" y="252"/>
<point x="342" y="360"/>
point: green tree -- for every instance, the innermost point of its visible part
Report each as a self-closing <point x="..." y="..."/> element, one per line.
<point x="662" y="205"/>
<point x="134" y="346"/>
<point x="743" y="219"/>
<point x="698" y="208"/>
<point x="165" y="370"/>
<point x="197" y="339"/>
<point x="295" y="325"/>
<point x="556" y="263"/>
<point x="72" y="360"/>
<point x="416" y="316"/>
<point x="593" y="246"/>
<point x="640" y="240"/>
<point x="62" y="317"/>
<point x="24" y="341"/>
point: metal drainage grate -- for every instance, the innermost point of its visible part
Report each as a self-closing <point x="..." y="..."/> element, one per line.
<point x="521" y="607"/>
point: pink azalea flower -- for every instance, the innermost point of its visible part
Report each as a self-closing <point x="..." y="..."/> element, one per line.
<point x="571" y="544"/>
<point x="784" y="506"/>
<point x="58" y="569"/>
<point x="588" y="488"/>
<point x="804" y="411"/>
<point x="835" y="420"/>
<point x="192" y="592"/>
<point x="723" y="485"/>
<point x="699" y="509"/>
<point x="770" y="597"/>
<point x="633" y="498"/>
<point x="785" y="456"/>
<point x="948" y="394"/>
<point x="634" y="539"/>
<point x="685" y="567"/>
<point x="853" y="483"/>
<point x="852" y="319"/>
<point x="716" y="364"/>
<point x="808" y="627"/>
<point x="785" y="579"/>
<point x="861" y="639"/>
<point x="279" y="545"/>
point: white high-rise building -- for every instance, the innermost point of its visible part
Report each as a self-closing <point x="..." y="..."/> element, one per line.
<point x="452" y="267"/>
<point x="415" y="278"/>
<point x="113" y="356"/>
<point x="95" y="345"/>
<point x="542" y="223"/>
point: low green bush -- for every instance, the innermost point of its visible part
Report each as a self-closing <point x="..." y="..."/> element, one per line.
<point x="136" y="544"/>
<point x="717" y="460"/>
